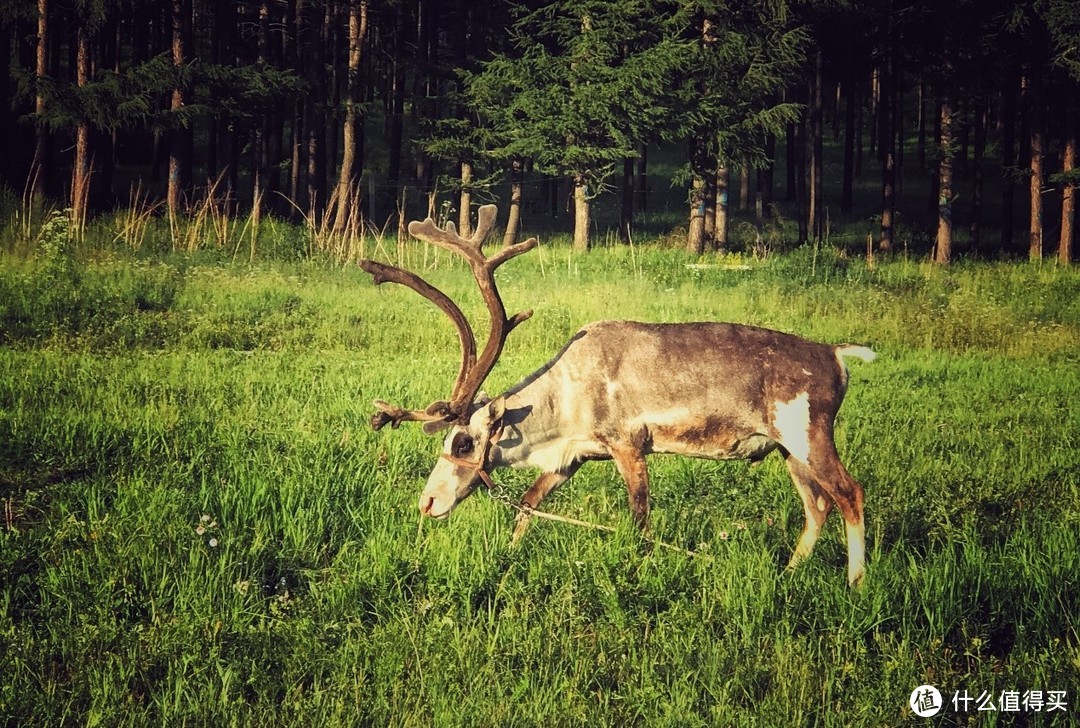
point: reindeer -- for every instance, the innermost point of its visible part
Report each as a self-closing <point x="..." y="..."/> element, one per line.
<point x="622" y="390"/>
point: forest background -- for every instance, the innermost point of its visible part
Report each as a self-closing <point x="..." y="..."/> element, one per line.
<point x="341" y="113"/>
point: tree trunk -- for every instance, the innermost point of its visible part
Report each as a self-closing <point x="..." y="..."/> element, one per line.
<point x="551" y="190"/>
<point x="963" y="134"/>
<point x="709" y="198"/>
<point x="259" y="148"/>
<point x="886" y="139"/>
<point x="297" y="163"/>
<point x="1035" y="240"/>
<point x="641" y="186"/>
<point x="275" y="149"/>
<point x="943" y="249"/>
<point x="423" y="91"/>
<point x="181" y="10"/>
<point x="332" y="133"/>
<point x="720" y="237"/>
<point x="397" y="99"/>
<point x="744" y="185"/>
<point x="352" y="137"/>
<point x="801" y="208"/>
<point x="695" y="231"/>
<point x="1038" y="149"/>
<point x="858" y="91"/>
<point x="847" y="189"/>
<point x="213" y="132"/>
<point x="264" y="149"/>
<point x="1008" y="162"/>
<point x="1023" y="147"/>
<point x="837" y="102"/>
<point x="897" y="124"/>
<point x="759" y="200"/>
<point x="769" y="172"/>
<point x="695" y="236"/>
<point x="227" y="19"/>
<point x="815" y="151"/>
<point x="39" y="169"/>
<point x="888" y="201"/>
<point x="1068" y="198"/>
<point x="935" y="179"/>
<point x="314" y="128"/>
<point x="513" y="222"/>
<point x="978" y="153"/>
<point x="465" y="201"/>
<point x="790" y="153"/>
<point x="626" y="208"/>
<point x="920" y="148"/>
<point x="875" y="104"/>
<point x="81" y="167"/>
<point x="581" y="214"/>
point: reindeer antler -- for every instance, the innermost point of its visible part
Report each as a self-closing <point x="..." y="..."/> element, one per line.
<point x="473" y="370"/>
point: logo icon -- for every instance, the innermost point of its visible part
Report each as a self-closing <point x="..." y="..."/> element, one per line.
<point x="925" y="701"/>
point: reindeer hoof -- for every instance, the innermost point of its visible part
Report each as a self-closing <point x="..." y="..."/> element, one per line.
<point x="521" y="525"/>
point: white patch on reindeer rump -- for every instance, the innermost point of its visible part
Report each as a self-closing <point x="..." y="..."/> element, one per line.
<point x="792" y="422"/>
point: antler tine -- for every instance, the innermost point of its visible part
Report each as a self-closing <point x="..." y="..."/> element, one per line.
<point x="447" y="239"/>
<point x="469" y="248"/>
<point x="485" y="221"/>
<point x="382" y="273"/>
<point x="473" y="369"/>
<point x="501" y="326"/>
<point x="511" y="251"/>
<point x="436" y="417"/>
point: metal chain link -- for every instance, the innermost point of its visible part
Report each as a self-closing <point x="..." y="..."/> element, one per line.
<point x="500" y="494"/>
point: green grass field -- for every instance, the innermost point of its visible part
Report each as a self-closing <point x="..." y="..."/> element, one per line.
<point x="201" y="529"/>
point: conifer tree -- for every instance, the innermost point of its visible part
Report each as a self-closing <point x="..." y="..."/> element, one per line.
<point x="747" y="54"/>
<point x="585" y="82"/>
<point x="468" y="140"/>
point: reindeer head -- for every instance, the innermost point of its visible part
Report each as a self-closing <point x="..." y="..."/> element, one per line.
<point x="464" y="461"/>
<point x="474" y="425"/>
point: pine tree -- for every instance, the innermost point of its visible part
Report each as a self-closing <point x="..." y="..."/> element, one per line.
<point x="468" y="140"/>
<point x="586" y="81"/>
<point x="747" y="53"/>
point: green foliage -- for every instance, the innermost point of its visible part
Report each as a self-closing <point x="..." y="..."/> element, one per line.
<point x="746" y="55"/>
<point x="129" y="99"/>
<point x="201" y="528"/>
<point x="586" y="84"/>
<point x="1063" y="21"/>
<point x="242" y="93"/>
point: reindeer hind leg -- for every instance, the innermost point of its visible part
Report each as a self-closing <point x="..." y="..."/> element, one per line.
<point x="816" y="505"/>
<point x="830" y="473"/>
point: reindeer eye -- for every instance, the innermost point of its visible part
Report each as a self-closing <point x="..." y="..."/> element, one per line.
<point x="462" y="445"/>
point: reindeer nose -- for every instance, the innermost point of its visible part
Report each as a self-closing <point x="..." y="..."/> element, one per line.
<point x="426" y="503"/>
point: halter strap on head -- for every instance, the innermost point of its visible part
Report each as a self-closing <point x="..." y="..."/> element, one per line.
<point x="480" y="466"/>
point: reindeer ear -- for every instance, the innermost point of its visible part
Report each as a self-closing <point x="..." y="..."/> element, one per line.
<point x="496" y="409"/>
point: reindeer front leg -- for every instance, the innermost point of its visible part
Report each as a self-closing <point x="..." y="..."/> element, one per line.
<point x="539" y="490"/>
<point x="630" y="461"/>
